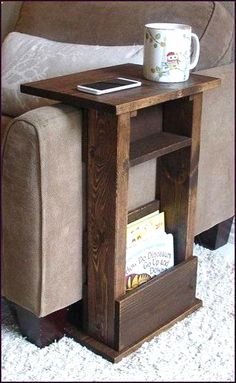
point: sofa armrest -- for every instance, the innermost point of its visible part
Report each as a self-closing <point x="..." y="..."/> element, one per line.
<point x="42" y="209"/>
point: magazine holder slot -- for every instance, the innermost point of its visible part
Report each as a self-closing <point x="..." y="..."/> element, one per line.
<point x="155" y="303"/>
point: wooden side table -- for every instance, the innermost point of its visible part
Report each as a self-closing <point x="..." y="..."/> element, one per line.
<point x="115" y="322"/>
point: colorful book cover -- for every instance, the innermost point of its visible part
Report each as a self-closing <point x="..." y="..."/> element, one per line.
<point x="148" y="258"/>
<point x="143" y="227"/>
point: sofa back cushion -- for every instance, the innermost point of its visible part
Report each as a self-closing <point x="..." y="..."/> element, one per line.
<point x="122" y="23"/>
<point x="28" y="58"/>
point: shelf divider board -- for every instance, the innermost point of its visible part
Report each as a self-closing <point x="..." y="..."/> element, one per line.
<point x="155" y="146"/>
<point x="143" y="210"/>
<point x="179" y="173"/>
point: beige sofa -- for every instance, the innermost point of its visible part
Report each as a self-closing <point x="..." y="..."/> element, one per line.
<point x="42" y="166"/>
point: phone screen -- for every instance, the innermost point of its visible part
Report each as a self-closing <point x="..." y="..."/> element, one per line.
<point x="108" y="84"/>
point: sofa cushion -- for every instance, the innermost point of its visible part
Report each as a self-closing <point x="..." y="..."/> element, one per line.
<point x="42" y="210"/>
<point x="216" y="179"/>
<point x="122" y="23"/>
<point x="5" y="121"/>
<point x="28" y="58"/>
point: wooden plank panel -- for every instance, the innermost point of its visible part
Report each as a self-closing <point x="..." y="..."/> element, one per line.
<point x="178" y="174"/>
<point x="63" y="88"/>
<point x="155" y="303"/>
<point x="143" y="210"/>
<point x="155" y="146"/>
<point x="108" y="154"/>
<point x="115" y="356"/>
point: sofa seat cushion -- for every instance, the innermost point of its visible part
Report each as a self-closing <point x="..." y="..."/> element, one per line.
<point x="42" y="210"/>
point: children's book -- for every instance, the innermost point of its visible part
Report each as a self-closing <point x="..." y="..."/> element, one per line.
<point x="149" y="249"/>
<point x="143" y="227"/>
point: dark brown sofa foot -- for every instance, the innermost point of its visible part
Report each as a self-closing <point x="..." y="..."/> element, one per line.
<point x="40" y="331"/>
<point x="216" y="236"/>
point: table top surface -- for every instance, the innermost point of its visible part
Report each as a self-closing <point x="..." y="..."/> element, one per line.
<point x="63" y="88"/>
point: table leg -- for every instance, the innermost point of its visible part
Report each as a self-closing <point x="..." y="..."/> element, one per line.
<point x="107" y="191"/>
<point x="179" y="173"/>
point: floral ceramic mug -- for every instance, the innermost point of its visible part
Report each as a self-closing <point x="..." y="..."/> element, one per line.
<point x="167" y="52"/>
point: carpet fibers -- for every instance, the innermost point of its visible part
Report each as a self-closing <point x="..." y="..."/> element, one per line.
<point x="199" y="348"/>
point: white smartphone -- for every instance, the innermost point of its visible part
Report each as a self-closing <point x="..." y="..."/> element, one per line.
<point x="108" y="86"/>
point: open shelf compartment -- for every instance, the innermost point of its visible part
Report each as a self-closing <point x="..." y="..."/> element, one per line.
<point x="156" y="145"/>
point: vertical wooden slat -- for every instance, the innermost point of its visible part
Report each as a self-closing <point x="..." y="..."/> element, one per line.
<point x="179" y="171"/>
<point x="84" y="306"/>
<point x="108" y="159"/>
<point x="85" y="136"/>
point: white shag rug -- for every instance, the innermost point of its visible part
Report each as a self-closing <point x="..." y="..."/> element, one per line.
<point x="199" y="348"/>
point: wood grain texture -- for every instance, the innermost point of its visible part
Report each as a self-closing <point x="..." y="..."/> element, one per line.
<point x="143" y="210"/>
<point x="155" y="146"/>
<point x="108" y="154"/>
<point x="179" y="171"/>
<point x="115" y="356"/>
<point x="85" y="136"/>
<point x="155" y="303"/>
<point x="63" y="88"/>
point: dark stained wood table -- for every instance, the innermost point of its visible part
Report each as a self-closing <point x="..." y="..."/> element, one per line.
<point x="115" y="322"/>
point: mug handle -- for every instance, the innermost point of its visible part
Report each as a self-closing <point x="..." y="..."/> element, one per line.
<point x="196" y="51"/>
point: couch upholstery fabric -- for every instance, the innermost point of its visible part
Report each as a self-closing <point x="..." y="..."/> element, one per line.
<point x="5" y="121"/>
<point x="42" y="205"/>
<point x="122" y="23"/>
<point x="215" y="196"/>
<point x="36" y="59"/>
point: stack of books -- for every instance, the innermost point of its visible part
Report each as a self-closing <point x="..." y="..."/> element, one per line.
<point x="150" y="249"/>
